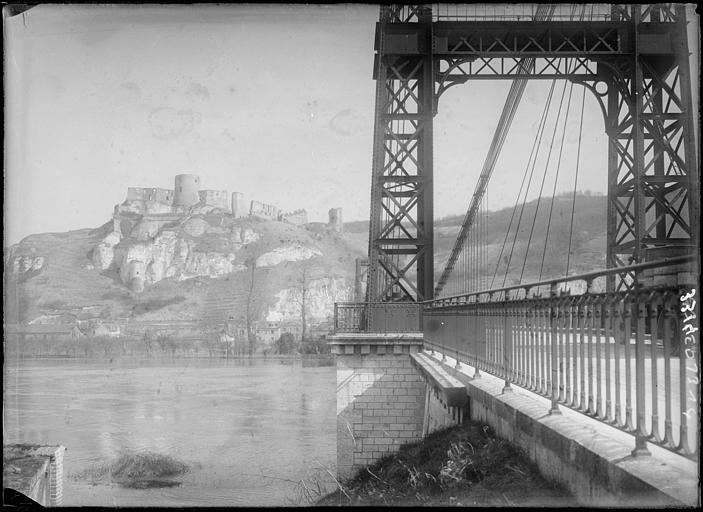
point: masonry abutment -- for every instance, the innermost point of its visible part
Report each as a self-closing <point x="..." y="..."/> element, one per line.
<point x="41" y="472"/>
<point x="382" y="398"/>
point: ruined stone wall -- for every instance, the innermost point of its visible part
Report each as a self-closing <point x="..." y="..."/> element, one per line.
<point x="133" y="206"/>
<point x="217" y="198"/>
<point x="335" y="219"/>
<point x="267" y="211"/>
<point x="161" y="195"/>
<point x="135" y="193"/>
<point x="240" y="207"/>
<point x="297" y="217"/>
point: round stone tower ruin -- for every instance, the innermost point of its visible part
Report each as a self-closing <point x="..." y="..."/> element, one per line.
<point x="186" y="189"/>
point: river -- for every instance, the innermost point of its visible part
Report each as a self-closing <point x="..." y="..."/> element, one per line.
<point x="249" y="429"/>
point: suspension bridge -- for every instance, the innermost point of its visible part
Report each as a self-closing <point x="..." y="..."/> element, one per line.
<point x="618" y="344"/>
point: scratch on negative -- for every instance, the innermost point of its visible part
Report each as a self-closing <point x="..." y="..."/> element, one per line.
<point x="351" y="433"/>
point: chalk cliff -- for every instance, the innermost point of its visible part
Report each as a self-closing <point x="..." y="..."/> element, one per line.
<point x="196" y="267"/>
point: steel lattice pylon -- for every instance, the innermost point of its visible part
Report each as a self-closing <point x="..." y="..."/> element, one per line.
<point x="634" y="58"/>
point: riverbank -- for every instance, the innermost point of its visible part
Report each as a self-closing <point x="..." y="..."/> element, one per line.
<point x="461" y="466"/>
<point x="305" y="360"/>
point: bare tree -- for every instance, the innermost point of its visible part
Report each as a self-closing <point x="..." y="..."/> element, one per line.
<point x="302" y="296"/>
<point x="251" y="337"/>
<point x="304" y="292"/>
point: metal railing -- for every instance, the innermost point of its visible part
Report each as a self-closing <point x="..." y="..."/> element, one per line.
<point x="629" y="359"/>
<point x="376" y="317"/>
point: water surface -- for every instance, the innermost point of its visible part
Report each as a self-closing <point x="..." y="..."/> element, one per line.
<point x="249" y="429"/>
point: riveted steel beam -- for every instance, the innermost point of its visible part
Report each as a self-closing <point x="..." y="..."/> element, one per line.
<point x="640" y="53"/>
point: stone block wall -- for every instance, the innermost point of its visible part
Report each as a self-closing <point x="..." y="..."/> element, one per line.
<point x="438" y="415"/>
<point x="56" y="477"/>
<point x="380" y="402"/>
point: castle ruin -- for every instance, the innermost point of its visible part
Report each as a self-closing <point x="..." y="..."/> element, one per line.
<point x="161" y="206"/>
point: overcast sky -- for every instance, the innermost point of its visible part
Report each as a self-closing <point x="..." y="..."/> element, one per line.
<point x="273" y="101"/>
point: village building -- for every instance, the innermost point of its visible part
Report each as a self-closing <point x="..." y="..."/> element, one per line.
<point x="108" y="330"/>
<point x="44" y="332"/>
<point x="293" y="327"/>
<point x="268" y="332"/>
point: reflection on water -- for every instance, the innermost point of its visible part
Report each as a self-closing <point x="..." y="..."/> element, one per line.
<point x="249" y="430"/>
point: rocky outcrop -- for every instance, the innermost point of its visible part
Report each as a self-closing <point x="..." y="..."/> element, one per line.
<point x="23" y="264"/>
<point x="199" y="242"/>
<point x="248" y="235"/>
<point x="168" y="256"/>
<point x="145" y="229"/>
<point x="295" y="252"/>
<point x="320" y="298"/>
<point x="195" y="226"/>
<point x="104" y="252"/>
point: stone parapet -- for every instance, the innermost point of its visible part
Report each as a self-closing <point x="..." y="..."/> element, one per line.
<point x="375" y="343"/>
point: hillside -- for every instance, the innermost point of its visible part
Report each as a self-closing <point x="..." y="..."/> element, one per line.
<point x="207" y="275"/>
<point x="69" y="286"/>
<point x="587" y="246"/>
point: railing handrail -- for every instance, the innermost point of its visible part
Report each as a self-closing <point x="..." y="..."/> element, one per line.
<point x="588" y="276"/>
<point x="364" y="303"/>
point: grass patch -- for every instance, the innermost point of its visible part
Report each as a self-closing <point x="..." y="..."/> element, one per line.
<point x="155" y="304"/>
<point x="464" y="466"/>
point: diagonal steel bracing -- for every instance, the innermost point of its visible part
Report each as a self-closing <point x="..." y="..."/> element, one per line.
<point x="634" y="58"/>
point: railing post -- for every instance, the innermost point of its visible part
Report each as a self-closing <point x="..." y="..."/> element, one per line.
<point x="480" y="327"/>
<point x="640" y="428"/>
<point x="553" y="324"/>
<point x="507" y="343"/>
<point x="336" y="317"/>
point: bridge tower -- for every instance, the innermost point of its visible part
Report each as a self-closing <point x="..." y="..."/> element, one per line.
<point x="634" y="58"/>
